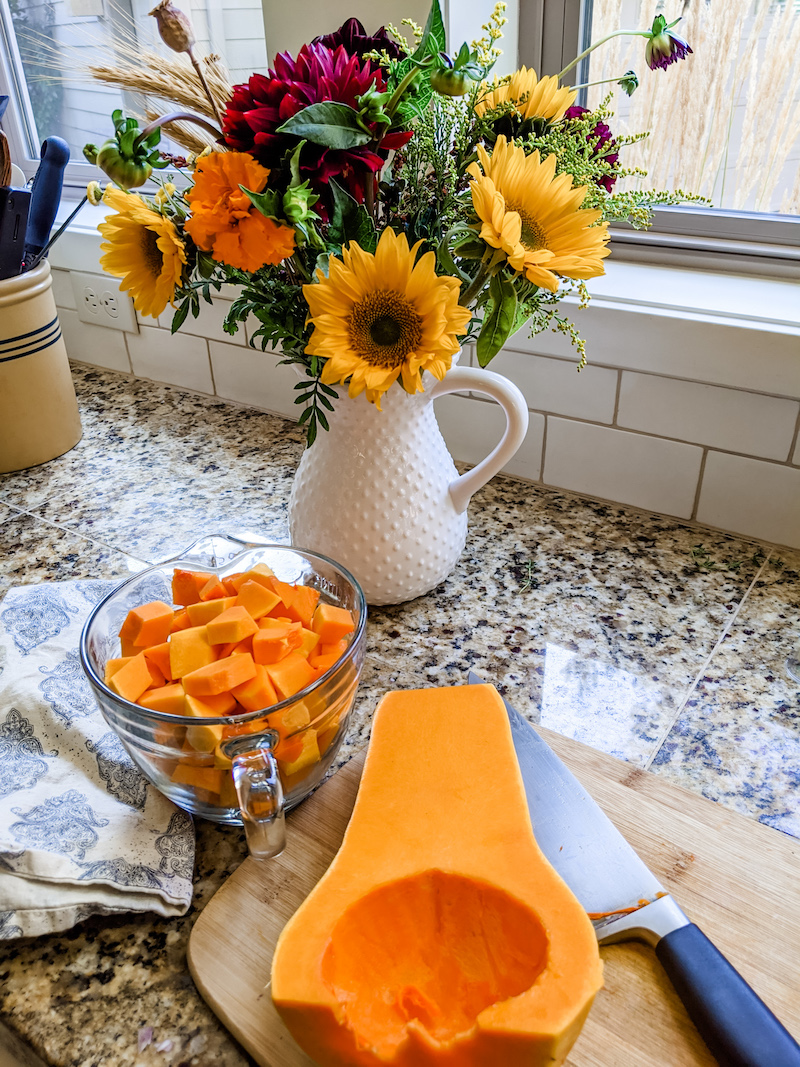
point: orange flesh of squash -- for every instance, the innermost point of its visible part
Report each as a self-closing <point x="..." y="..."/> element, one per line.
<point x="440" y="936"/>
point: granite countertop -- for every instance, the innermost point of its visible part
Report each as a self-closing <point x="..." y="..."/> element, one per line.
<point x="653" y="640"/>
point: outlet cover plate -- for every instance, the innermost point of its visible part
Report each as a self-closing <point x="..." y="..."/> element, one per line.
<point x="99" y="300"/>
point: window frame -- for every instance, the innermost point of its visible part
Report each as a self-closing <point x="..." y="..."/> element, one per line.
<point x="18" y="120"/>
<point x="547" y="35"/>
<point x="551" y="33"/>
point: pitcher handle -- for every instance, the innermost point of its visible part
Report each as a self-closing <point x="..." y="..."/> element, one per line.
<point x="259" y="792"/>
<point x="511" y="400"/>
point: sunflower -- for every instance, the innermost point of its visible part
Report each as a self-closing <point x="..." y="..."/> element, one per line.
<point x="535" y="217"/>
<point x="144" y="249"/>
<point x="224" y="221"/>
<point x="533" y="98"/>
<point x="381" y="317"/>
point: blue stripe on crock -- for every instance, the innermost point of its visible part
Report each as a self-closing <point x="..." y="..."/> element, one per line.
<point x="43" y="337"/>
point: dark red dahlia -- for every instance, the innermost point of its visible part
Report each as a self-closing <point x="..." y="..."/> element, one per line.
<point x="257" y="109"/>
<point x="600" y="137"/>
<point x="355" y="40"/>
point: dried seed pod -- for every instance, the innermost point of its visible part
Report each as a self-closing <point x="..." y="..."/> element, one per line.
<point x="174" y="26"/>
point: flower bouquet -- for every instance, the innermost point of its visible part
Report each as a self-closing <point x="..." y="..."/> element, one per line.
<point x="378" y="202"/>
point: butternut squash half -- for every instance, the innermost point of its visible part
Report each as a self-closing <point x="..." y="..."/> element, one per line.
<point x="439" y="936"/>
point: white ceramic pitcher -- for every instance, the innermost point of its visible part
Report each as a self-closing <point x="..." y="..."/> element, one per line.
<point x="379" y="491"/>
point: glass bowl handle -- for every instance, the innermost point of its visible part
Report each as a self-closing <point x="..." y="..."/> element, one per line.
<point x="260" y="794"/>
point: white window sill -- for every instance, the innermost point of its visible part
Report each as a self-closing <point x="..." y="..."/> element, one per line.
<point x="754" y="301"/>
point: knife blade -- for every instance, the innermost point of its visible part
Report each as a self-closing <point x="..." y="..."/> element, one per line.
<point x="606" y="875"/>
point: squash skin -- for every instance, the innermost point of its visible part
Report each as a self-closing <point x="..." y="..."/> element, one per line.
<point x="440" y="837"/>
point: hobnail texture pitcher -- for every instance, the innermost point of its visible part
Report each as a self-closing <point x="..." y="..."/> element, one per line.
<point x="379" y="491"/>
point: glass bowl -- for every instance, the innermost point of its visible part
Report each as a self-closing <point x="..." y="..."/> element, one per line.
<point x="266" y="761"/>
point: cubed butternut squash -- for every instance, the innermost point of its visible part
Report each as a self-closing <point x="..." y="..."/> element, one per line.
<point x="220" y="677"/>
<point x="189" y="650"/>
<point x="233" y="625"/>
<point x="332" y="623"/>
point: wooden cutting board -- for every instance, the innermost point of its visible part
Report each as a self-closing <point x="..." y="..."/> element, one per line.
<point x="737" y="879"/>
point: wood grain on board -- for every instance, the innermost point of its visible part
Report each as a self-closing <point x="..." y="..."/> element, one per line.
<point x="737" y="879"/>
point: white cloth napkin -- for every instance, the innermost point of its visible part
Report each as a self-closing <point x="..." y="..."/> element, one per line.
<point x="81" y="830"/>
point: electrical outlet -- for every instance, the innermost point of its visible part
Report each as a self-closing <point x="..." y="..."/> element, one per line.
<point x="99" y="301"/>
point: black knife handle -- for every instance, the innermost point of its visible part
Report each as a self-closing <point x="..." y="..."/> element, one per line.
<point x="737" y="1026"/>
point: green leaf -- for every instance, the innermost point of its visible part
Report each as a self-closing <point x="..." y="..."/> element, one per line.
<point x="179" y="317"/>
<point x="434" y="33"/>
<point x="268" y="202"/>
<point x="350" y="221"/>
<point x="328" y="123"/>
<point x="499" y="322"/>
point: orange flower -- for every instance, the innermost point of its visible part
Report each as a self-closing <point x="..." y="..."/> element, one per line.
<point x="224" y="221"/>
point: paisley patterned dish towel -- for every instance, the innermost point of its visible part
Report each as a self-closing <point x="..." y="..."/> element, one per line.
<point x="81" y="831"/>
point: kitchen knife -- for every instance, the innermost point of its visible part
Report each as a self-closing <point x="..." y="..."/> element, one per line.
<point x="627" y="902"/>
<point x="45" y="196"/>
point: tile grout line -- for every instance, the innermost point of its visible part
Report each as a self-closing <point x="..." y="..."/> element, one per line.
<point x="71" y="532"/>
<point x="726" y="629"/>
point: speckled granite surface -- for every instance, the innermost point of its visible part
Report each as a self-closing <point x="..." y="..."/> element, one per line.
<point x="649" y="639"/>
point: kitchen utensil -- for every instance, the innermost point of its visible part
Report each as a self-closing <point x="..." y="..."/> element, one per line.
<point x="702" y="849"/>
<point x="14" y="208"/>
<point x="627" y="901"/>
<point x="5" y="160"/>
<point x="245" y="781"/>
<point x="45" y="196"/>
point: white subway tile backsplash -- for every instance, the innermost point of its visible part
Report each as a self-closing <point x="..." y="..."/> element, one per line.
<point x="207" y="324"/>
<point x="177" y="360"/>
<point x="731" y="419"/>
<point x="97" y="345"/>
<point x="711" y="349"/>
<point x="647" y="472"/>
<point x="63" y="293"/>
<point x="555" y="385"/>
<point x="251" y="376"/>
<point x="471" y="428"/>
<point x="751" y="497"/>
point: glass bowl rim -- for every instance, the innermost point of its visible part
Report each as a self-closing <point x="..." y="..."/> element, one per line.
<point x="250" y="716"/>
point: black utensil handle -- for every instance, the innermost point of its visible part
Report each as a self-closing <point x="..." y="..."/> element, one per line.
<point x="737" y="1026"/>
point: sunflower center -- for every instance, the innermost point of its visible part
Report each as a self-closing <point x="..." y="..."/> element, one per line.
<point x="384" y="328"/>
<point x="533" y="236"/>
<point x="151" y="253"/>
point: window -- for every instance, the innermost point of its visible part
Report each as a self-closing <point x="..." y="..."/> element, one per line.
<point x="725" y="123"/>
<point x="45" y="43"/>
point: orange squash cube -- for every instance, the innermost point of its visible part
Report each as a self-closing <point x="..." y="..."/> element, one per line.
<point x="156" y="675"/>
<point x="213" y="589"/>
<point x="308" y="642"/>
<point x="113" y="665"/>
<point x="332" y="623"/>
<point x="256" y="693"/>
<point x="308" y="754"/>
<point x="290" y="675"/>
<point x="270" y="648"/>
<point x="132" y="679"/>
<point x="159" y="654"/>
<point x="257" y="599"/>
<point x="233" y="625"/>
<point x="210" y="706"/>
<point x="186" y="586"/>
<point x="220" y="677"/>
<point x="149" y="624"/>
<point x="206" y="781"/>
<point x="169" y="699"/>
<point x="285" y="591"/>
<point x="181" y="621"/>
<point x="303" y="605"/>
<point x="201" y="613"/>
<point x="189" y="650"/>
